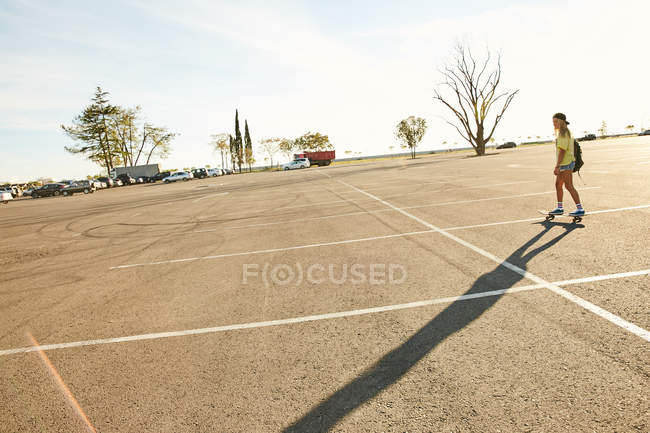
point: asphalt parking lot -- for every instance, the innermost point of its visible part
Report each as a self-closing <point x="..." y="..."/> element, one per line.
<point x="398" y="295"/>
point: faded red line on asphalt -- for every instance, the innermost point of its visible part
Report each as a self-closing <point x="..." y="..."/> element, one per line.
<point x="61" y="384"/>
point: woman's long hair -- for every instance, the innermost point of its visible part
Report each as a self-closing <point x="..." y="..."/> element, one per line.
<point x="563" y="130"/>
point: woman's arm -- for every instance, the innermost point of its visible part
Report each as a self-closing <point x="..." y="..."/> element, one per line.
<point x="560" y="156"/>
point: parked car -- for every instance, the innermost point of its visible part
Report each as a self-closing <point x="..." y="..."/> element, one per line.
<point x="296" y="163"/>
<point x="78" y="187"/>
<point x="304" y="160"/>
<point x="81" y="186"/>
<point x="28" y="191"/>
<point x="646" y="132"/>
<point x="161" y="176"/>
<point x="214" y="172"/>
<point x="49" y="189"/>
<point x="200" y="173"/>
<point x="588" y="137"/>
<point x="227" y="171"/>
<point x="146" y="179"/>
<point x="108" y="181"/>
<point x="117" y="182"/>
<point x="15" y="191"/>
<point x="508" y="145"/>
<point x="180" y="175"/>
<point x="5" y="196"/>
<point x="127" y="179"/>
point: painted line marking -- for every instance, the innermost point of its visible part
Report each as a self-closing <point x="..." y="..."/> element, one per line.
<point x="349" y="241"/>
<point x="634" y="329"/>
<point x="620" y="209"/>
<point x="391" y="210"/>
<point x="273" y="250"/>
<point x="312" y="318"/>
<point x="209" y="196"/>
<point x="342" y="202"/>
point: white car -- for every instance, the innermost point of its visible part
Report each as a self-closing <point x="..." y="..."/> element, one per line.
<point x="180" y="175"/>
<point x="297" y="163"/>
<point x="5" y="196"/>
<point x="214" y="172"/>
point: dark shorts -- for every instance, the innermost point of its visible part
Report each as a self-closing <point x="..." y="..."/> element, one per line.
<point x="568" y="166"/>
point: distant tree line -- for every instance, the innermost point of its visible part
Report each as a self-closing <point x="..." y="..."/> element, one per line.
<point x="112" y="136"/>
<point x="237" y="150"/>
<point x="310" y="141"/>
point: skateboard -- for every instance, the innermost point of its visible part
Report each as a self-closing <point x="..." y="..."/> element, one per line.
<point x="549" y="217"/>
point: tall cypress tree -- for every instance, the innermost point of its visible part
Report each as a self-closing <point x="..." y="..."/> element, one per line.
<point x="238" y="141"/>
<point x="249" y="146"/>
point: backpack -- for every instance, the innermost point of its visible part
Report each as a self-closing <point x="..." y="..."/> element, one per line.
<point x="577" y="153"/>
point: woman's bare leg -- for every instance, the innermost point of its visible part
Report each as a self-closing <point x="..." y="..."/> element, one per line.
<point x="568" y="184"/>
<point x="559" y="181"/>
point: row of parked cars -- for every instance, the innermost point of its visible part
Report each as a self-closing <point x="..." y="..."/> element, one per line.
<point x="197" y="173"/>
<point x="165" y="176"/>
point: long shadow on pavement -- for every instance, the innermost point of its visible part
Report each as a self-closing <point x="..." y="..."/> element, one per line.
<point x="395" y="364"/>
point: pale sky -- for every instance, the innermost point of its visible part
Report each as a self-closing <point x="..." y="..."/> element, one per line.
<point x="348" y="69"/>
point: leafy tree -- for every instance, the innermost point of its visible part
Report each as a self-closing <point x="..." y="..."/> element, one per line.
<point x="91" y="130"/>
<point x="410" y="132"/>
<point x="287" y="147"/>
<point x="629" y="127"/>
<point x="313" y="142"/>
<point x="124" y="133"/>
<point x="603" y="129"/>
<point x="160" y="145"/>
<point x="111" y="135"/>
<point x="470" y="95"/>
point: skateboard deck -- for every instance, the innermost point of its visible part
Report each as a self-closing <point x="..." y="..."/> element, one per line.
<point x="549" y="217"/>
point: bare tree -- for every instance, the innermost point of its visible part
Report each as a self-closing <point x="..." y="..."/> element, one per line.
<point x="270" y="147"/>
<point x="471" y="92"/>
<point x="219" y="143"/>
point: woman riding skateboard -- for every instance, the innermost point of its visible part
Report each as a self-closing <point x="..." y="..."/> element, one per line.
<point x="564" y="164"/>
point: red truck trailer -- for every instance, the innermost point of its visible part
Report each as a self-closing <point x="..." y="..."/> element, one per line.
<point x="324" y="157"/>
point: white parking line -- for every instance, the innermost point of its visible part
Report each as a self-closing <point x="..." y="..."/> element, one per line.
<point x="209" y="196"/>
<point x="620" y="209"/>
<point x="316" y="317"/>
<point x="634" y="329"/>
<point x="391" y="210"/>
<point x="341" y="202"/>
<point x="274" y="250"/>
